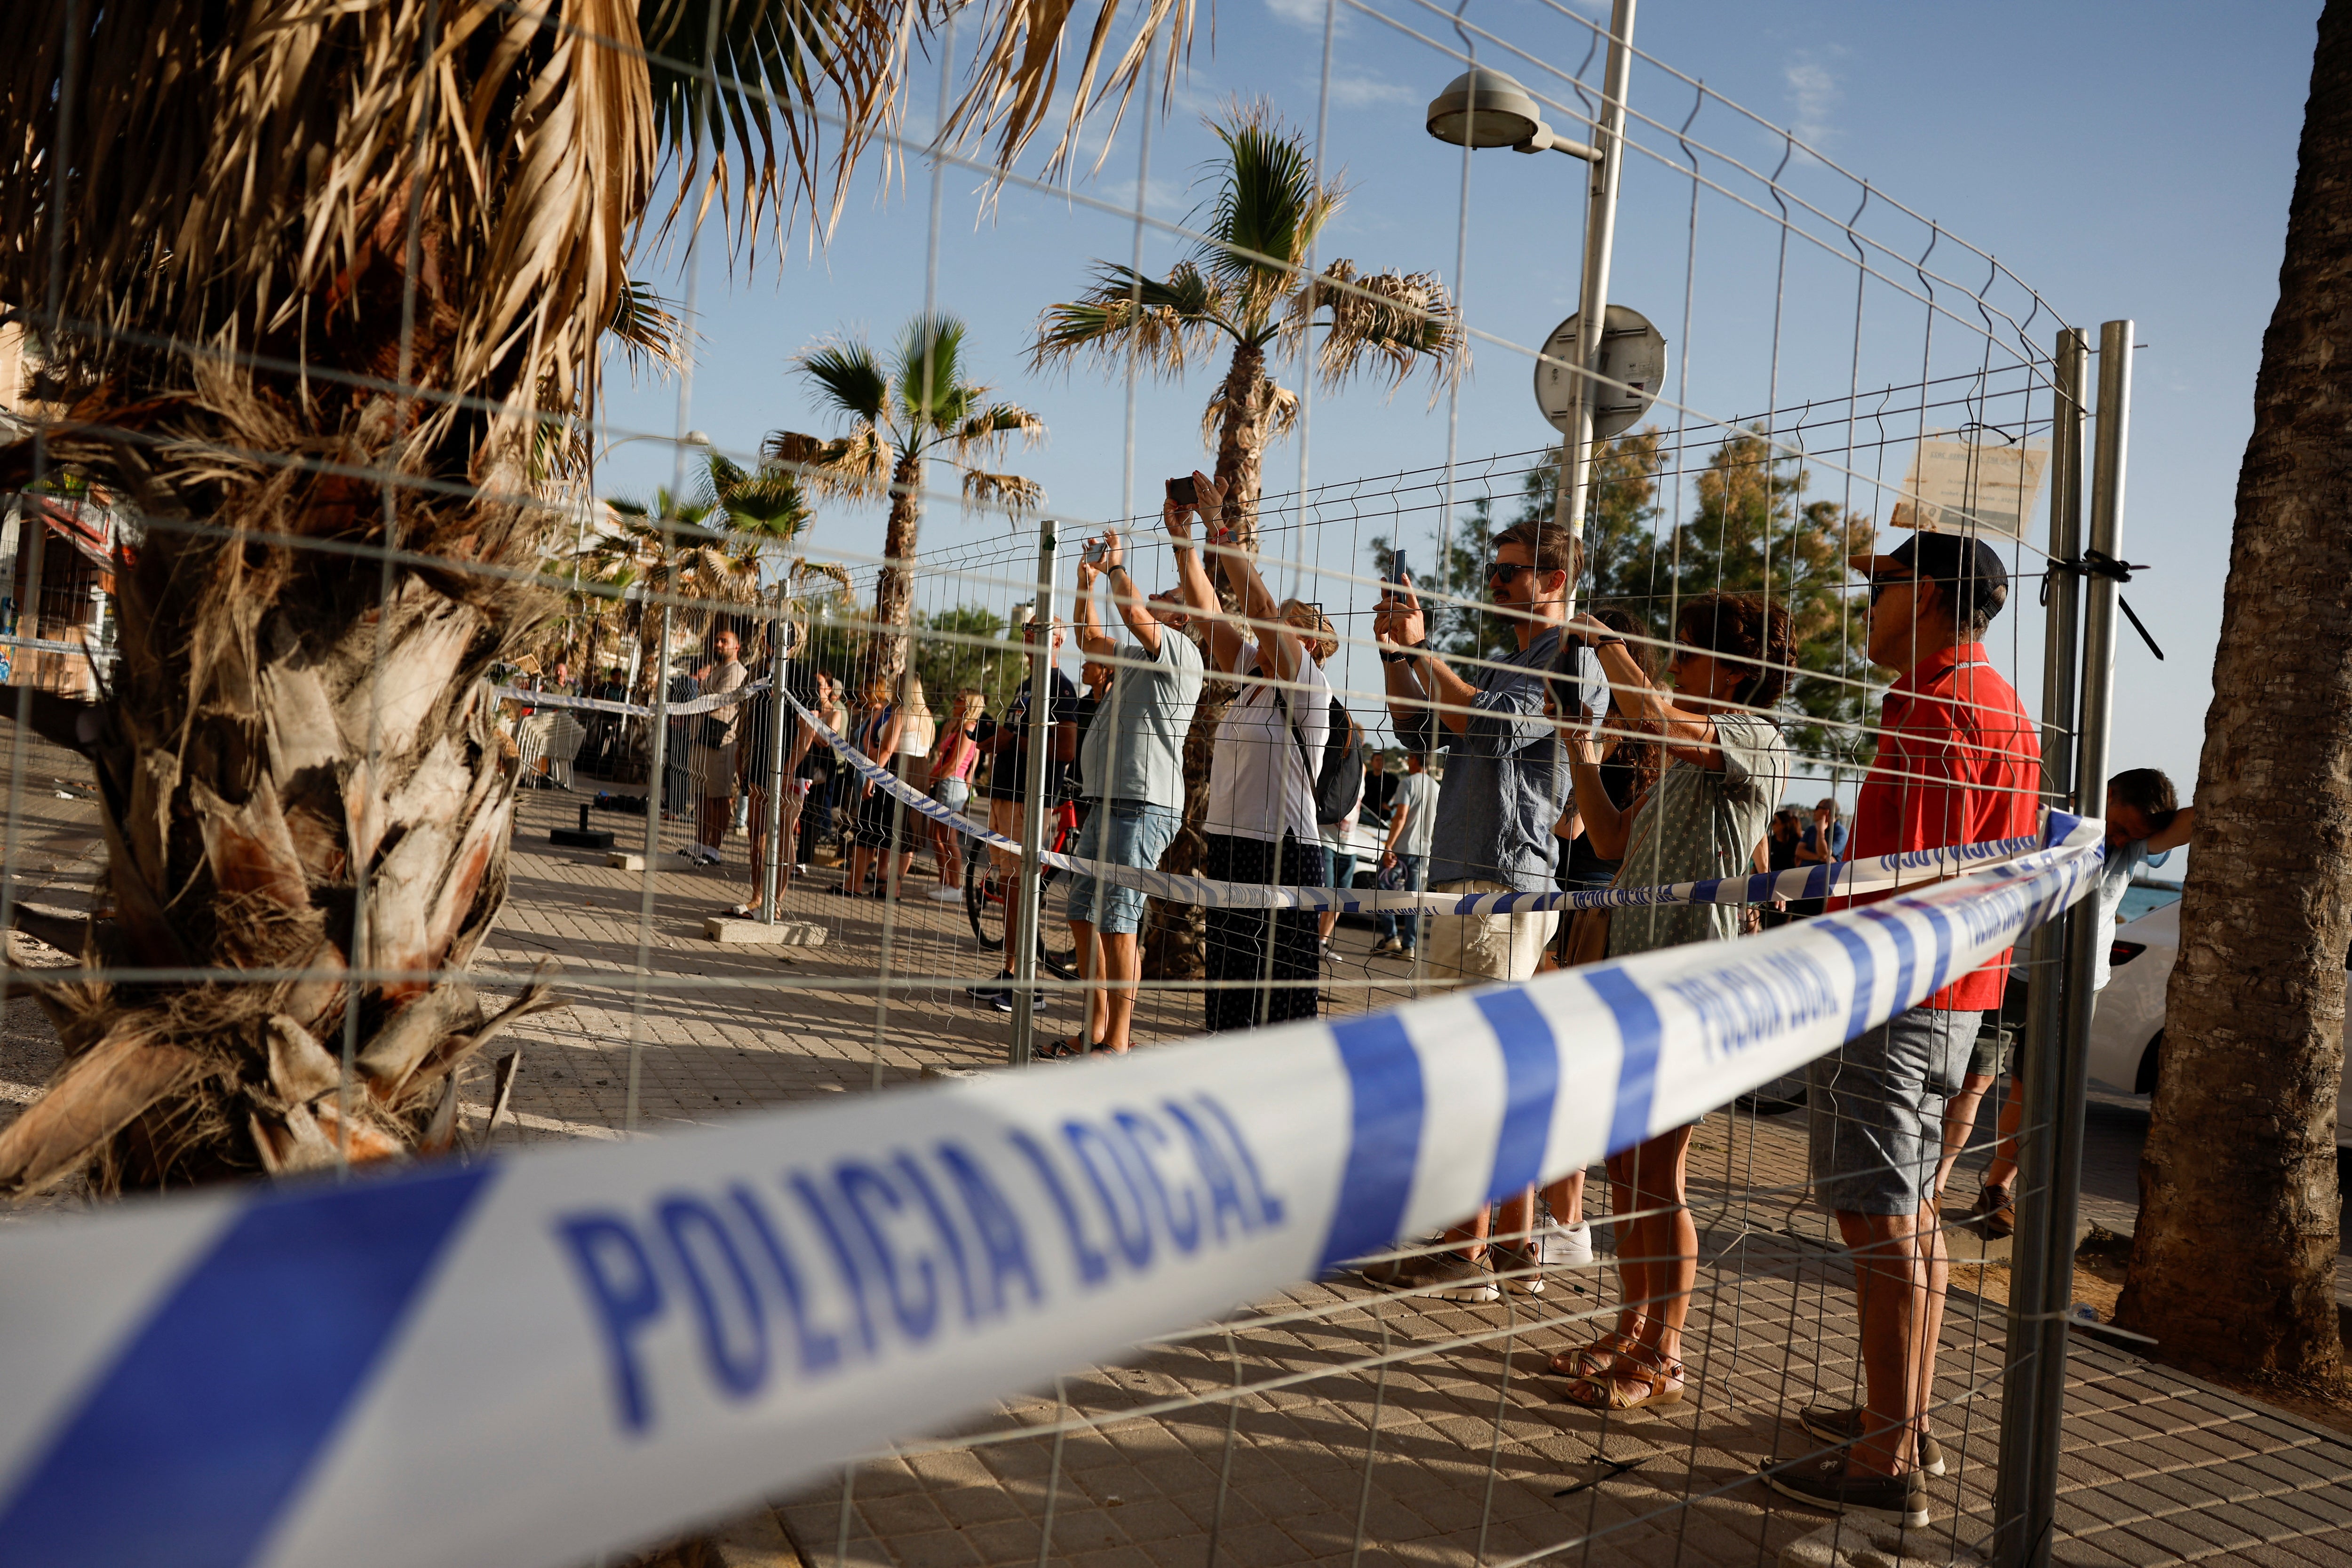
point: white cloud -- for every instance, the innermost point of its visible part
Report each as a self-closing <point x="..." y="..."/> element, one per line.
<point x="1813" y="94"/>
<point x="1367" y="91"/>
<point x="1302" y="13"/>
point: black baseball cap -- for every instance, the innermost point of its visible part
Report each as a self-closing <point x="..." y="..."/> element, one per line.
<point x="1951" y="558"/>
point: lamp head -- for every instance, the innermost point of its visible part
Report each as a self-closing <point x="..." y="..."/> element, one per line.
<point x="1484" y="108"/>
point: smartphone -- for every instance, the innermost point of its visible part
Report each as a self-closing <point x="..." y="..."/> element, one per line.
<point x="1184" y="491"/>
<point x="1094" y="551"/>
<point x="1398" y="572"/>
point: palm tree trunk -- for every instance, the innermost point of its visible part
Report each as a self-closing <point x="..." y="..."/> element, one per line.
<point x="1246" y="404"/>
<point x="894" y="586"/>
<point x="254" y="767"/>
<point x="1175" y="935"/>
<point x="2231" y="1264"/>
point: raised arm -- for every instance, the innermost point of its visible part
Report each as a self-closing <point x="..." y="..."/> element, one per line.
<point x="1192" y="585"/>
<point x="2175" y="833"/>
<point x="1419" y="677"/>
<point x="1685" y="733"/>
<point x="1609" y="828"/>
<point x="1091" y="640"/>
<point x="1126" y="597"/>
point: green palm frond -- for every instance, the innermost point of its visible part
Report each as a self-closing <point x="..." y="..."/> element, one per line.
<point x="847" y="379"/>
<point x="929" y="370"/>
<point x="1267" y="209"/>
<point x="742" y="125"/>
<point x="650" y="332"/>
<point x="1163" y="323"/>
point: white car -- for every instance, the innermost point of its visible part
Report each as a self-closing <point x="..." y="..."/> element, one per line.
<point x="2128" y="1022"/>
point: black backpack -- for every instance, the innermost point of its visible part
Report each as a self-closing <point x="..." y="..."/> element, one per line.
<point x="1340" y="784"/>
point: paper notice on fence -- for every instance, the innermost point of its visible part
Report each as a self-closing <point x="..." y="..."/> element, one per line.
<point x="1968" y="487"/>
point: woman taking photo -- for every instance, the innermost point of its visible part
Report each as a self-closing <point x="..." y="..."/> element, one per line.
<point x="1726" y="765"/>
<point x="952" y="759"/>
<point x="1261" y="822"/>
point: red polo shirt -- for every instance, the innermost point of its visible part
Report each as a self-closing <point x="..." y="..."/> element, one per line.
<point x="1959" y="762"/>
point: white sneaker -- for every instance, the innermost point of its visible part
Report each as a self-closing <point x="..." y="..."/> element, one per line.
<point x="947" y="895"/>
<point x="1566" y="1247"/>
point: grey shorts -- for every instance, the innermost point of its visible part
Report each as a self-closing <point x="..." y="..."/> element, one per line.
<point x="1875" y="1112"/>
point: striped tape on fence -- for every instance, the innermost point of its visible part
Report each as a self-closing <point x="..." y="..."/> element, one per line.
<point x="547" y="1356"/>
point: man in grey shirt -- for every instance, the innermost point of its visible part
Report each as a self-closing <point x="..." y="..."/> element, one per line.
<point x="1503" y="787"/>
<point x="1133" y="764"/>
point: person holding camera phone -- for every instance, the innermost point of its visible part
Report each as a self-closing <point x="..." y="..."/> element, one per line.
<point x="1503" y="792"/>
<point x="1131" y="762"/>
<point x="1261" y="824"/>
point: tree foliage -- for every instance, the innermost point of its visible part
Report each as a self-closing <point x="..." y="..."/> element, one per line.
<point x="1750" y="530"/>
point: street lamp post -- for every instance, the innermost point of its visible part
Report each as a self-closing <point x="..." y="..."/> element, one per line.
<point x="1485" y="108"/>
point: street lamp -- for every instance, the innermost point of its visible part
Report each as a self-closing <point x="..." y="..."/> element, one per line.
<point x="1484" y="108"/>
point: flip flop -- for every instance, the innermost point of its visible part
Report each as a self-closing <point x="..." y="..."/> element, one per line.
<point x="1062" y="1051"/>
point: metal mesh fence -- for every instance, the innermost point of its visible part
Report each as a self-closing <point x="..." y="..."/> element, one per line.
<point x="741" y="917"/>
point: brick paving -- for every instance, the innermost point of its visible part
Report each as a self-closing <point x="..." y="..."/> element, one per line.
<point x="1427" y="1431"/>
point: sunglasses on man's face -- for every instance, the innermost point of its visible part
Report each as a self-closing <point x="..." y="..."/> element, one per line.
<point x="1501" y="571"/>
<point x="1878" y="586"/>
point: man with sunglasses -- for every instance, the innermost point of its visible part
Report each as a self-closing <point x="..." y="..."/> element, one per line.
<point x="1959" y="762"/>
<point x="1503" y="790"/>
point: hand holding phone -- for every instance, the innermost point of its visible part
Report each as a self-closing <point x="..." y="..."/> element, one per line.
<point x="1184" y="491"/>
<point x="1093" y="553"/>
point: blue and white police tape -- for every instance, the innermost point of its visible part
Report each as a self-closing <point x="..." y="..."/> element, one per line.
<point x="1845" y="877"/>
<point x="685" y="708"/>
<point x="571" y="1351"/>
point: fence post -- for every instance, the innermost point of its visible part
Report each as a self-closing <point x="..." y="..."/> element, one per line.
<point x="2050" y="1170"/>
<point x="781" y="716"/>
<point x="1024" y="940"/>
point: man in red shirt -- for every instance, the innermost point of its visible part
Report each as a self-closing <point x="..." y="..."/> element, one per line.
<point x="1959" y="762"/>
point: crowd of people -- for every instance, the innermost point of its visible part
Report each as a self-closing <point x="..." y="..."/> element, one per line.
<point x="1586" y="755"/>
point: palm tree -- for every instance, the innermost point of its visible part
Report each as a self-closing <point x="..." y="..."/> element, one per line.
<point x="2233" y="1259"/>
<point x="915" y="406"/>
<point x="1246" y="284"/>
<point x="315" y="283"/>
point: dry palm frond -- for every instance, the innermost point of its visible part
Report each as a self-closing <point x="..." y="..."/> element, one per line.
<point x="856" y="466"/>
<point x="1014" y="82"/>
<point x="1281" y="412"/>
<point x="1394" y="322"/>
<point x="255" y="186"/>
<point x="1161" y="325"/>
<point x="991" y="428"/>
<point x="1008" y="494"/>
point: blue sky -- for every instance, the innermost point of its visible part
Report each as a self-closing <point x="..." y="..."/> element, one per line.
<point x="2125" y="162"/>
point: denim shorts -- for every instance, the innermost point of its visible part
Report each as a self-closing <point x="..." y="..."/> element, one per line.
<point x="951" y="793"/>
<point x="1124" y="833"/>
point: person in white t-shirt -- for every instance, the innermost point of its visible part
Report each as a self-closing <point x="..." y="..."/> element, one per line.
<point x="2146" y="822"/>
<point x="1260" y="824"/>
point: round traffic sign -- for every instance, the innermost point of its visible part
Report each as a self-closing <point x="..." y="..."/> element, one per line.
<point x="1632" y="352"/>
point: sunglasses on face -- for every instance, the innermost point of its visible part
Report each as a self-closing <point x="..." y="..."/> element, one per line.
<point x="1501" y="571"/>
<point x="1880" y="584"/>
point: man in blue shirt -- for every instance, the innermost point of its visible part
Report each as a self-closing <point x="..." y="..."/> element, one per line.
<point x="1503" y="787"/>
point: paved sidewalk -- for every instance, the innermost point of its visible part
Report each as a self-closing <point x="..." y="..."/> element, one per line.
<point x="1427" y="1431"/>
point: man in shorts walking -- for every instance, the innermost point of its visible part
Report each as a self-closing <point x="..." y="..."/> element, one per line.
<point x="1959" y="762"/>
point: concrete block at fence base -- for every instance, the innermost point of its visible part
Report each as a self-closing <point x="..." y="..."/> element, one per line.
<point x="756" y="1541"/>
<point x="1858" y="1542"/>
<point x="935" y="1071"/>
<point x="635" y="860"/>
<point x="758" y="933"/>
<point x="575" y="838"/>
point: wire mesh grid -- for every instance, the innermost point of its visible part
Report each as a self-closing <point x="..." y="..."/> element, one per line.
<point x="1424" y="1419"/>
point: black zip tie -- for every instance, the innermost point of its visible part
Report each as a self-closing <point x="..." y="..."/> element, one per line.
<point x="2099" y="563"/>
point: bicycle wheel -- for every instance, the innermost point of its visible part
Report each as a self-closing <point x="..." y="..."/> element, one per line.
<point x="983" y="901"/>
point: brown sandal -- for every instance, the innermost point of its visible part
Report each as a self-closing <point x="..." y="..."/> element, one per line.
<point x="1641" y="1377"/>
<point x="1591" y="1361"/>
